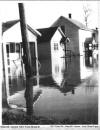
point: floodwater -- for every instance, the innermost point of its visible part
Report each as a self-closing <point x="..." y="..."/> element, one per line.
<point x="68" y="88"/>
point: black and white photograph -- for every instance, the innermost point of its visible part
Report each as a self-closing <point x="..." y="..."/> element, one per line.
<point x="49" y="62"/>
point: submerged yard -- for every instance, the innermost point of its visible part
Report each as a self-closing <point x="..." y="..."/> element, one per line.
<point x="66" y="92"/>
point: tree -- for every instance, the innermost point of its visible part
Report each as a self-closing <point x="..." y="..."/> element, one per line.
<point x="86" y="12"/>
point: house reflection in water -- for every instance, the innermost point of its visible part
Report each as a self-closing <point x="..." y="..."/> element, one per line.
<point x="58" y="68"/>
<point x="65" y="74"/>
<point x="69" y="74"/>
<point x="89" y="61"/>
<point x="63" y="93"/>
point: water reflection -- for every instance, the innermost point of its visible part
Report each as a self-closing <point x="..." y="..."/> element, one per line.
<point x="88" y="61"/>
<point x="59" y="73"/>
<point x="60" y="86"/>
<point x="65" y="74"/>
<point x="16" y="84"/>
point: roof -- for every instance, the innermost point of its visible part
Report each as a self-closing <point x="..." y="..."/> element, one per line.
<point x="74" y="22"/>
<point x="33" y="31"/>
<point x="47" y="34"/>
<point x="7" y="25"/>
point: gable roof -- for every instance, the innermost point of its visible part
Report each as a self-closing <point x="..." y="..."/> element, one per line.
<point x="47" y="34"/>
<point x="7" y="25"/>
<point x="74" y="22"/>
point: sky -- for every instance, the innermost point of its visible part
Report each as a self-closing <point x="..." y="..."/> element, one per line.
<point x="41" y="14"/>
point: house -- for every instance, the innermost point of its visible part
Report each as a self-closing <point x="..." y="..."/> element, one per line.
<point x="49" y="43"/>
<point x="76" y="31"/>
<point x="12" y="40"/>
<point x="49" y="48"/>
<point x="91" y="44"/>
<point x="95" y="43"/>
<point x="88" y="46"/>
<point x="95" y="37"/>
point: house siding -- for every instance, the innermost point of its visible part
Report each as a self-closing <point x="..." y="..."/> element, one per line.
<point x="44" y="50"/>
<point x="45" y="68"/>
<point x="71" y="31"/>
<point x="58" y="51"/>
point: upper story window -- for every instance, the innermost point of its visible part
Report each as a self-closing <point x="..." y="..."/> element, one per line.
<point x="55" y="46"/>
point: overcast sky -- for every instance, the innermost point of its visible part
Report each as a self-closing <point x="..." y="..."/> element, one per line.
<point x="41" y="14"/>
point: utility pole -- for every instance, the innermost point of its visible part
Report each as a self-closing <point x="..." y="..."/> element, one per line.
<point x="26" y="60"/>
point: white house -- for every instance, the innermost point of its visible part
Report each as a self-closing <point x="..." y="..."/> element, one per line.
<point x="49" y="43"/>
<point x="12" y="40"/>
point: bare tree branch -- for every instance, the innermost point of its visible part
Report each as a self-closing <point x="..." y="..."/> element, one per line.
<point x="86" y="13"/>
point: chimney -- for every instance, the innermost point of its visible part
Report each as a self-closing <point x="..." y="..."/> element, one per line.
<point x="70" y="15"/>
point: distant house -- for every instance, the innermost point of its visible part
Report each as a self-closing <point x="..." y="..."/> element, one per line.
<point x="12" y="39"/>
<point x="95" y="36"/>
<point x="49" y="43"/>
<point x="95" y="40"/>
<point x="91" y="44"/>
<point x="76" y="31"/>
<point x="88" y="46"/>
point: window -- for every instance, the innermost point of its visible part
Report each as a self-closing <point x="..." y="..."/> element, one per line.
<point x="17" y="47"/>
<point x="55" y="46"/>
<point x="12" y="47"/>
<point x="7" y="48"/>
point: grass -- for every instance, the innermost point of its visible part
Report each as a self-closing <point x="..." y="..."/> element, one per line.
<point x="18" y="117"/>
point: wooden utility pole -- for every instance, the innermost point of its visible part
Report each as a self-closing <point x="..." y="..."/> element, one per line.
<point x="26" y="60"/>
<point x="25" y="41"/>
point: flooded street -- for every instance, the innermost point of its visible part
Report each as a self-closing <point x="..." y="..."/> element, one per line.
<point x="65" y="89"/>
<point x="49" y="63"/>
